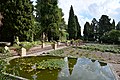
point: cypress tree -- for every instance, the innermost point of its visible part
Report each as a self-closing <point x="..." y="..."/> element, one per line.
<point x="72" y="28"/>
<point x="113" y="25"/>
<point x="91" y="33"/>
<point x="86" y="30"/>
<point x="118" y="26"/>
<point x="78" y="28"/>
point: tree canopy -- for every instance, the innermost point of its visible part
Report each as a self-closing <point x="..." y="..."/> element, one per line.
<point x="118" y="26"/>
<point x="18" y="19"/>
<point x="50" y="16"/>
<point x="86" y="30"/>
<point x="78" y="28"/>
<point x="102" y="30"/>
<point x="104" y="25"/>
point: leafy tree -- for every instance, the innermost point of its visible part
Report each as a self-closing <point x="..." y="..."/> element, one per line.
<point x="37" y="31"/>
<point x="86" y="30"/>
<point x="72" y="28"/>
<point x="63" y="24"/>
<point x="18" y="20"/>
<point x="95" y="29"/>
<point x="63" y="35"/>
<point x="118" y="26"/>
<point x="78" y="28"/>
<point x="90" y="33"/>
<point x="113" y="24"/>
<point x="104" y="25"/>
<point x="50" y="16"/>
<point x="102" y="31"/>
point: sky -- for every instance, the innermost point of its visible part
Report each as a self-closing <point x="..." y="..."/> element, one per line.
<point x="86" y="10"/>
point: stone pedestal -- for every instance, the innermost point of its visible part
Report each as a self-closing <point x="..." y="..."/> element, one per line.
<point x="54" y="46"/>
<point x="23" y="51"/>
<point x="66" y="43"/>
<point x="58" y="43"/>
<point x="43" y="45"/>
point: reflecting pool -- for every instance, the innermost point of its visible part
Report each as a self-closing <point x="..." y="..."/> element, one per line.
<point x="73" y="69"/>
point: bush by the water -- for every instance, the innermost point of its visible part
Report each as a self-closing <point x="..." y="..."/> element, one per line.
<point x="112" y="36"/>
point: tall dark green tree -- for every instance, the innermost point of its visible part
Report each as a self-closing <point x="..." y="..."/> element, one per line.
<point x="63" y="33"/>
<point x="50" y="16"/>
<point x="104" y="25"/>
<point x="78" y="28"/>
<point x="37" y="31"/>
<point x="72" y="28"/>
<point x="18" y="19"/>
<point x="86" y="30"/>
<point x="95" y="29"/>
<point x="91" y="33"/>
<point x="118" y="26"/>
<point x="113" y="24"/>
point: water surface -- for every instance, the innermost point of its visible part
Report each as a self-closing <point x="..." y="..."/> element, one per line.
<point x="73" y="69"/>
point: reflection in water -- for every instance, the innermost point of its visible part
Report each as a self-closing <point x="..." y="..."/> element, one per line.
<point x="74" y="69"/>
<point x="34" y="77"/>
<point x="85" y="69"/>
<point x="64" y="73"/>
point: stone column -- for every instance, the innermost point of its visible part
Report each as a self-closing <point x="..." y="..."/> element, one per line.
<point x="23" y="51"/>
<point x="43" y="44"/>
<point x="54" y="46"/>
<point x="58" y="43"/>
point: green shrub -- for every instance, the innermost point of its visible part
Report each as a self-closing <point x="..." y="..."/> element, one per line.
<point x="3" y="55"/>
<point x="112" y="36"/>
